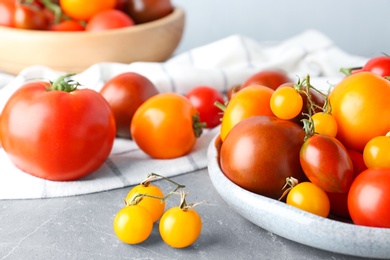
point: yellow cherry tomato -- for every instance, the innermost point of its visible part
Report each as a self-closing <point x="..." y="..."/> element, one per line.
<point x="309" y="197"/>
<point x="153" y="205"/>
<point x="133" y="224"/>
<point x="179" y="227"/>
<point x="286" y="103"/>
<point x="376" y="152"/>
<point x="325" y="124"/>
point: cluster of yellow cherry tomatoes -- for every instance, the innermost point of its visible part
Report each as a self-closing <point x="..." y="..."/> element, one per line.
<point x="179" y="226"/>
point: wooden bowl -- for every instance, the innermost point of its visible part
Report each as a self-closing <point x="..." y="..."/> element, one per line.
<point x="75" y="51"/>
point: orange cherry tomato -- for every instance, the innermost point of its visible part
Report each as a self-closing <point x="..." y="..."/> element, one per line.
<point x="250" y="101"/>
<point x="361" y="107"/>
<point x="324" y="123"/>
<point x="163" y="126"/>
<point x="286" y="103"/>
<point x="85" y="9"/>
<point x="376" y="153"/>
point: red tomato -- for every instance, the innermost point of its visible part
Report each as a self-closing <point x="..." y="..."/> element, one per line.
<point x="203" y="98"/>
<point x="57" y="135"/>
<point x="125" y="93"/>
<point x="83" y="9"/>
<point x="326" y="163"/>
<point x="67" y="26"/>
<point x="361" y="108"/>
<point x="378" y="65"/>
<point x="163" y="126"/>
<point x="7" y="9"/>
<point x="143" y="11"/>
<point x="369" y="198"/>
<point x="260" y="152"/>
<point x="30" y="16"/>
<point x="269" y="78"/>
<point x="339" y="201"/>
<point x="109" y="19"/>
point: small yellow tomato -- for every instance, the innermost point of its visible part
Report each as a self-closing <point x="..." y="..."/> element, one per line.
<point x="376" y="152"/>
<point x="325" y="124"/>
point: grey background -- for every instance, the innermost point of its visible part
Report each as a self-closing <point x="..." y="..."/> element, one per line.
<point x="359" y="27"/>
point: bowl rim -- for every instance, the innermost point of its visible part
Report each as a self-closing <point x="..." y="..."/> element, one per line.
<point x="176" y="14"/>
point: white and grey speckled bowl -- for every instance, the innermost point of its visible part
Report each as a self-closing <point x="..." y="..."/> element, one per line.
<point x="297" y="225"/>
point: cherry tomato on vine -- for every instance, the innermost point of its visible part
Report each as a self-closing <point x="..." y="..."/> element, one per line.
<point x="154" y="206"/>
<point x="7" y="9"/>
<point x="166" y="126"/>
<point x="83" y="9"/>
<point x="361" y="108"/>
<point x="269" y="78"/>
<point x="376" y="153"/>
<point x="248" y="102"/>
<point x="324" y="123"/>
<point x="180" y="227"/>
<point x="286" y="103"/>
<point x="369" y="198"/>
<point x="309" y="197"/>
<point x="326" y="163"/>
<point x="57" y="131"/>
<point x="125" y="93"/>
<point x="379" y="65"/>
<point x="109" y="19"/>
<point x="203" y="98"/>
<point x="133" y="224"/>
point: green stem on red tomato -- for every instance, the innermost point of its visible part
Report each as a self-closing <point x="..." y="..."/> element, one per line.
<point x="62" y="84"/>
<point x="197" y="125"/>
<point x="55" y="8"/>
<point x="348" y="71"/>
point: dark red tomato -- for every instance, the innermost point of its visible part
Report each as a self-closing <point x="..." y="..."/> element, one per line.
<point x="315" y="97"/>
<point x="378" y="65"/>
<point x="369" y="198"/>
<point x="269" y="78"/>
<point x="67" y="26"/>
<point x="203" y="98"/>
<point x="7" y="9"/>
<point x="30" y="16"/>
<point x="109" y="19"/>
<point x="339" y="201"/>
<point x="125" y="93"/>
<point x="260" y="152"/>
<point x="143" y="11"/>
<point x="326" y="163"/>
<point x="57" y="133"/>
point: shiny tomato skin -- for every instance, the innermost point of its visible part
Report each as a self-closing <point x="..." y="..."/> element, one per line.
<point x="203" y="98"/>
<point x="379" y="65"/>
<point x="369" y="198"/>
<point x="83" y="9"/>
<point x="269" y="78"/>
<point x="163" y="126"/>
<point x="57" y="135"/>
<point x="326" y="163"/>
<point x="251" y="101"/>
<point x="30" y="16"/>
<point x="143" y="11"/>
<point x="67" y="26"/>
<point x="7" y="9"/>
<point x="260" y="152"/>
<point x="361" y="108"/>
<point x="109" y="19"/>
<point x="125" y="93"/>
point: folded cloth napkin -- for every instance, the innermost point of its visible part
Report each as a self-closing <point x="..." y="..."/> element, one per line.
<point x="221" y="64"/>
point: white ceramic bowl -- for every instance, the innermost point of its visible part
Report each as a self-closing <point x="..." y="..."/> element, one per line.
<point x="76" y="51"/>
<point x="297" y="225"/>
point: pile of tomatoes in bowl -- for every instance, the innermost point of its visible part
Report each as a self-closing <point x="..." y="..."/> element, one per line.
<point x="325" y="153"/>
<point x="80" y="15"/>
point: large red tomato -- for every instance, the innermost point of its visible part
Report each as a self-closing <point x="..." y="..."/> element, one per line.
<point x="125" y="93"/>
<point x="361" y="107"/>
<point x="260" y="152"/>
<point x="57" y="134"/>
<point x="369" y="198"/>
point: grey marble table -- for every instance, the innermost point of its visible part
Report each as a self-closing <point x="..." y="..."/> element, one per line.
<point x="80" y="227"/>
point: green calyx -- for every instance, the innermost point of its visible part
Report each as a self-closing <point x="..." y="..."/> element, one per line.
<point x="63" y="83"/>
<point x="197" y="125"/>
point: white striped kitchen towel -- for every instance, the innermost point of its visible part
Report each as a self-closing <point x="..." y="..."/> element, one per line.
<point x="220" y="64"/>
